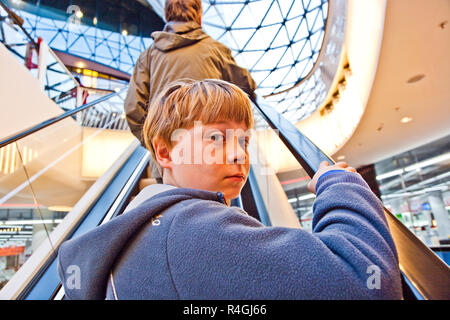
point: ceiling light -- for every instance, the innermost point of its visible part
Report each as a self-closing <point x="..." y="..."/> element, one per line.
<point x="303" y="197"/>
<point x="95" y="21"/>
<point x="124" y="32"/>
<point x="60" y="208"/>
<point x="416" y="78"/>
<point x="389" y="174"/>
<point x="406" y="119"/>
<point x="443" y="24"/>
<point x="429" y="162"/>
<point x="416" y="166"/>
<point x="307" y="196"/>
<point x="26" y="221"/>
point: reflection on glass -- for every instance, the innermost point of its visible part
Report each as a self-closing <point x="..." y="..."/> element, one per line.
<point x="15" y="40"/>
<point x="281" y="179"/>
<point x="415" y="186"/>
<point x="56" y="81"/>
<point x="43" y="176"/>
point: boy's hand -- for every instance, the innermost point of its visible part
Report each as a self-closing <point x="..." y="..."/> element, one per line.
<point x="324" y="167"/>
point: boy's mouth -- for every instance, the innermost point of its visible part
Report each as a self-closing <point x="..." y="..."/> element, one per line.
<point x="236" y="177"/>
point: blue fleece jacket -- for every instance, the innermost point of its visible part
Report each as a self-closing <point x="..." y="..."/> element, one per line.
<point x="187" y="244"/>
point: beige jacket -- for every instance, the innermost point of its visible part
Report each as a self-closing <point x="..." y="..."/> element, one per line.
<point x="182" y="50"/>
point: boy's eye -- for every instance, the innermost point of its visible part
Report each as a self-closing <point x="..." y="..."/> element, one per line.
<point x="217" y="137"/>
<point x="244" y="141"/>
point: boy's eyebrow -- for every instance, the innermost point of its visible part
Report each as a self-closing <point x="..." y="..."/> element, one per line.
<point x="247" y="132"/>
<point x="223" y="123"/>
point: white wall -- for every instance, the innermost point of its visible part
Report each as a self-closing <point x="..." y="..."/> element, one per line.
<point x="363" y="38"/>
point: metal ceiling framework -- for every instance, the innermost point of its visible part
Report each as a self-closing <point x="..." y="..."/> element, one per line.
<point x="83" y="35"/>
<point x="279" y="42"/>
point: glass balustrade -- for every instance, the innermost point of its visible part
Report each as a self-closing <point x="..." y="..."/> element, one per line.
<point x="271" y="162"/>
<point x="44" y="175"/>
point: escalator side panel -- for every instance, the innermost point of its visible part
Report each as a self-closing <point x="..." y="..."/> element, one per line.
<point x="49" y="281"/>
<point x="426" y="271"/>
<point x="256" y="202"/>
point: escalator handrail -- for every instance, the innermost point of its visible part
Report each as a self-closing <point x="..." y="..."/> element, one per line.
<point x="304" y="150"/>
<point x="26" y="132"/>
<point x="428" y="280"/>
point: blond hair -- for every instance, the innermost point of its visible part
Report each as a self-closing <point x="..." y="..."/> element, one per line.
<point x="185" y="101"/>
<point x="183" y="10"/>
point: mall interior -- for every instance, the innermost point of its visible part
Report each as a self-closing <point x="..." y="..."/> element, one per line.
<point x="365" y="82"/>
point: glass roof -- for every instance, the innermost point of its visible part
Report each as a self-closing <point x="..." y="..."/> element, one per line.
<point x="277" y="40"/>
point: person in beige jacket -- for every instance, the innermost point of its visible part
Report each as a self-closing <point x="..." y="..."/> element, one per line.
<point x="181" y="50"/>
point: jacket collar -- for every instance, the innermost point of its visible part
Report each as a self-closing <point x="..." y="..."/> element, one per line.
<point x="177" y="35"/>
<point x="147" y="193"/>
<point x="181" y="27"/>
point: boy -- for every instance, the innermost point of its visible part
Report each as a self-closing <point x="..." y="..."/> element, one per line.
<point x="181" y="240"/>
<point x="181" y="50"/>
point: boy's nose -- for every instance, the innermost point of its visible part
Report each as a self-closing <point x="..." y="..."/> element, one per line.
<point x="236" y="154"/>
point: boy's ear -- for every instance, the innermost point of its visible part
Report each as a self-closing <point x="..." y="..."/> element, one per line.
<point x="162" y="153"/>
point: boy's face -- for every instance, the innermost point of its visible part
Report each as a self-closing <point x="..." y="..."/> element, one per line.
<point x="212" y="157"/>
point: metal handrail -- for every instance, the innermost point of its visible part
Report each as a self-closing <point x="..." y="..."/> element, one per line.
<point x="19" y="22"/>
<point x="26" y="132"/>
<point x="37" y="46"/>
<point x="426" y="272"/>
<point x="304" y="150"/>
<point x="67" y="72"/>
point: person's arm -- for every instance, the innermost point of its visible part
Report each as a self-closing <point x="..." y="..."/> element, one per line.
<point x="136" y="102"/>
<point x="233" y="73"/>
<point x="220" y="253"/>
